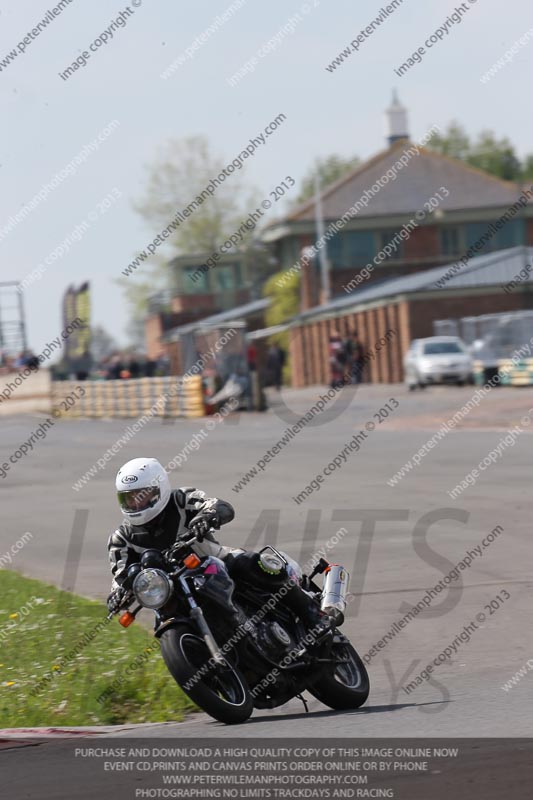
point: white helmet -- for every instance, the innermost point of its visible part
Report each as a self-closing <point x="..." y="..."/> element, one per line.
<point x="143" y="489"/>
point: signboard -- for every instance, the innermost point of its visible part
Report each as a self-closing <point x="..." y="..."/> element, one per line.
<point x="77" y="306"/>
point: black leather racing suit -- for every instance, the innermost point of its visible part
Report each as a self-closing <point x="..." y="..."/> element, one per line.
<point x="127" y="544"/>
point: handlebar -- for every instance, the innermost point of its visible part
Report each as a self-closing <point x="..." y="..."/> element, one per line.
<point x="179" y="544"/>
<point x="185" y="540"/>
<point x="127" y="600"/>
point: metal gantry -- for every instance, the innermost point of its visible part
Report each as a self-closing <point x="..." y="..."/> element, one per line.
<point x="12" y="319"/>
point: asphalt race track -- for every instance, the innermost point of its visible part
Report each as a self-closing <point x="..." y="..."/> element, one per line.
<point x="397" y="560"/>
<point x="490" y="769"/>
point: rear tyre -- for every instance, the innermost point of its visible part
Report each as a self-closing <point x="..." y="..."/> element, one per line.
<point x="221" y="692"/>
<point x="346" y="685"/>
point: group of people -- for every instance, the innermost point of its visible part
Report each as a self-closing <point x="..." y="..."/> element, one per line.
<point x="346" y="359"/>
<point x="117" y="366"/>
<point x="13" y="364"/>
<point x="346" y="362"/>
<point x="120" y="367"/>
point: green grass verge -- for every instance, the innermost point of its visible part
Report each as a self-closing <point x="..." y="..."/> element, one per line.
<point x="57" y="658"/>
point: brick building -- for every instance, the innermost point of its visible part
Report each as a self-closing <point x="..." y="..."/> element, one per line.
<point x="392" y="227"/>
<point x="408" y="306"/>
<point x="393" y="193"/>
<point x="200" y="291"/>
<point x="401" y="215"/>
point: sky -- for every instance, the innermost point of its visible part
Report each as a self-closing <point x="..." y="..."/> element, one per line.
<point x="47" y="121"/>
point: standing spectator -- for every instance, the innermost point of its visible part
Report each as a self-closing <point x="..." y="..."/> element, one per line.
<point x="102" y="369"/>
<point x="83" y="365"/>
<point x="20" y="360"/>
<point x="150" y="368"/>
<point x="354" y="357"/>
<point x="274" y="364"/>
<point x="251" y="357"/>
<point x="134" y="368"/>
<point x="337" y="360"/>
<point x="163" y="365"/>
<point x="31" y="360"/>
<point x="116" y="367"/>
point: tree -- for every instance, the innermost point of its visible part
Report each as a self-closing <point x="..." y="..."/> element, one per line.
<point x="285" y="304"/>
<point x="329" y="170"/>
<point x="454" y="143"/>
<point x="102" y="343"/>
<point x="285" y="299"/>
<point x="527" y="168"/>
<point x="180" y="172"/>
<point x="495" y="156"/>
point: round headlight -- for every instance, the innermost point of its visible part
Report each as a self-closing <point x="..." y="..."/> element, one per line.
<point x="152" y="588"/>
<point x="271" y="563"/>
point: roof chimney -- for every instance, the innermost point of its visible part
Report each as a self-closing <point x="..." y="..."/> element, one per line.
<point x="397" y="127"/>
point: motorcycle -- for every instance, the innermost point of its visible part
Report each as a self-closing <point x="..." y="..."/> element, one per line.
<point x="232" y="647"/>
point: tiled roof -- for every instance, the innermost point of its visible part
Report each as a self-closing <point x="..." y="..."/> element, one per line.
<point x="415" y="183"/>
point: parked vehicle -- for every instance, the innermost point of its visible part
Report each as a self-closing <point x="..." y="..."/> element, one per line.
<point x="437" y="359"/>
<point x="269" y="658"/>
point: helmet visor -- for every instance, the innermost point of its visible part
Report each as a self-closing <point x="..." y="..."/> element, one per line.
<point x="137" y="500"/>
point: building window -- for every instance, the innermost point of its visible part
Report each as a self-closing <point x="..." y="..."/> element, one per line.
<point x="510" y="235"/>
<point x="288" y="252"/>
<point x="351" y="249"/>
<point x="358" y="248"/>
<point x="224" y="277"/>
<point x="385" y="238"/>
<point x="450" y="241"/>
<point x="195" y="280"/>
<point x="474" y="233"/>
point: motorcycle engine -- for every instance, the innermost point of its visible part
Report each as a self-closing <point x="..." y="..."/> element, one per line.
<point x="274" y="639"/>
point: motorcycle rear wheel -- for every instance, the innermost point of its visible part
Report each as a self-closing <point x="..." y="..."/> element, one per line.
<point x="220" y="692"/>
<point x="343" y="686"/>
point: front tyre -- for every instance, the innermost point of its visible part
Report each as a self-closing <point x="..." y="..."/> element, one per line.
<point x="344" y="685"/>
<point x="220" y="691"/>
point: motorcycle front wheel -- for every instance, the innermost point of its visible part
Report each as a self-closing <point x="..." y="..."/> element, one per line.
<point x="345" y="685"/>
<point x="220" y="691"/>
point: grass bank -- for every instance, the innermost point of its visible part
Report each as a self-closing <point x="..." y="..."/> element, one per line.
<point x="58" y="656"/>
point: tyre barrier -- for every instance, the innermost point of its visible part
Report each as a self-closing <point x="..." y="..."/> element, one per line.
<point x="511" y="373"/>
<point x="168" y="397"/>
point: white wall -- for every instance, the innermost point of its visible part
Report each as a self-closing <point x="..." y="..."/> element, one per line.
<point x="26" y="396"/>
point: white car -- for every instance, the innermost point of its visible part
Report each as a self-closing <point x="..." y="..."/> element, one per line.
<point x="438" y="359"/>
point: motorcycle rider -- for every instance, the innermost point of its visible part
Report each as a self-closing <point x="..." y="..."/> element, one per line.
<point x="156" y="516"/>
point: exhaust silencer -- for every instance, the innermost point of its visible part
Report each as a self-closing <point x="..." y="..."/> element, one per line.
<point x="334" y="592"/>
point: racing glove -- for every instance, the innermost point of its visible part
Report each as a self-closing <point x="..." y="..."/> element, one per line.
<point x="202" y="523"/>
<point x="115" y="599"/>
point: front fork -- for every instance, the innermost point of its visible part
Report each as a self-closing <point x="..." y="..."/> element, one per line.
<point x="198" y="616"/>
